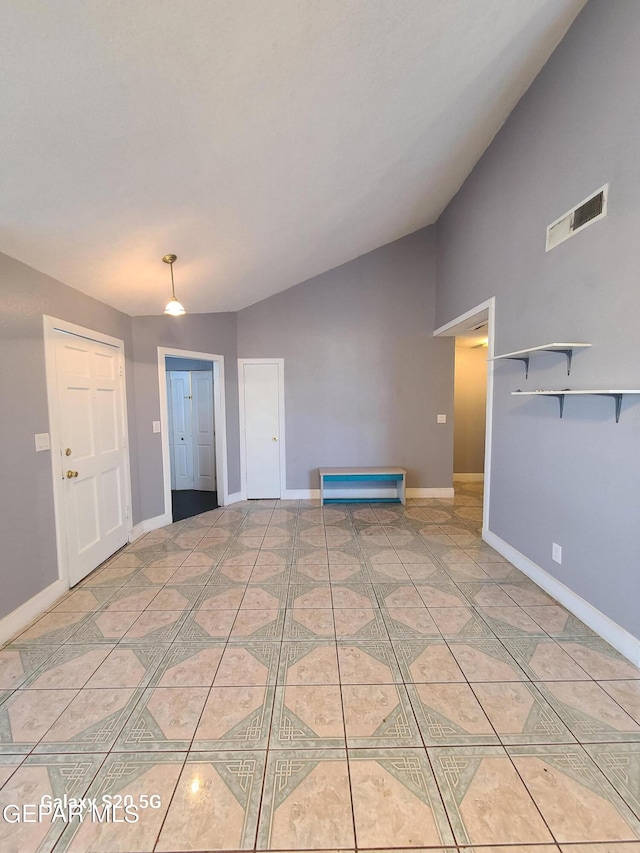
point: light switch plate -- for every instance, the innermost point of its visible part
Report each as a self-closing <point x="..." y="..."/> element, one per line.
<point x="42" y="441"/>
<point x="156" y="426"/>
<point x="442" y="419"/>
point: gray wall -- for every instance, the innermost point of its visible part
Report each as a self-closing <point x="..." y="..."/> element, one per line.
<point x="27" y="529"/>
<point x="470" y="409"/>
<point x="188" y="364"/>
<point x="214" y="333"/>
<point x="364" y="378"/>
<point x="572" y="481"/>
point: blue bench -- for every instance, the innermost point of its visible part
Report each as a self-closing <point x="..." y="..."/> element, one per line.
<point x="362" y="485"/>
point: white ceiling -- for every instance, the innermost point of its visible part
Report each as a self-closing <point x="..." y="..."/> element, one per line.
<point x="262" y="141"/>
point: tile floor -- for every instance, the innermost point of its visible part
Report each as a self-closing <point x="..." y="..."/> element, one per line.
<point x="285" y="677"/>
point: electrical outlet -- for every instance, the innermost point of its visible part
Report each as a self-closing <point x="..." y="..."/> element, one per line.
<point x="156" y="426"/>
<point x="556" y="552"/>
<point x="442" y="419"/>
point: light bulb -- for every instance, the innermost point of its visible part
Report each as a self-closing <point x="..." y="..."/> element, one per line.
<point x="174" y="308"/>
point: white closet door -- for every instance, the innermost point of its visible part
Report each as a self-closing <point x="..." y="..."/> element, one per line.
<point x="181" y="442"/>
<point x="262" y="429"/>
<point x="91" y="400"/>
<point x="204" y="469"/>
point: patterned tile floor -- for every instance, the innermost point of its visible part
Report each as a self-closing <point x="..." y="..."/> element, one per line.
<point x="286" y="677"/>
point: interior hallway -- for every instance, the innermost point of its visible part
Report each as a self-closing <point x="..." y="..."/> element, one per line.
<point x="288" y="677"/>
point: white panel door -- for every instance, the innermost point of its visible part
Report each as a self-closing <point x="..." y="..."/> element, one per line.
<point x="180" y="433"/>
<point x="204" y="469"/>
<point x="91" y="401"/>
<point x="262" y="429"/>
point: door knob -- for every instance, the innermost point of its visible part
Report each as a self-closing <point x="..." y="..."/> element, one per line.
<point x="275" y="438"/>
<point x="67" y="452"/>
<point x="71" y="474"/>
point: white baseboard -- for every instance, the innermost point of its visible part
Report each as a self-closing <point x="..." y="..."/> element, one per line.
<point x="430" y="493"/>
<point x="301" y="494"/>
<point x="18" y="619"/>
<point x="235" y="498"/>
<point x="614" y="634"/>
<point x="150" y="524"/>
<point x="469" y="478"/>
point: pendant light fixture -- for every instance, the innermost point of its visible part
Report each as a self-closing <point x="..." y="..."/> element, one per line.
<point x="174" y="308"/>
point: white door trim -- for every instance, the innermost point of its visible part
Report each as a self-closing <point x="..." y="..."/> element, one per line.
<point x="282" y="436"/>
<point x="219" y="418"/>
<point x="50" y="326"/>
<point x="451" y="329"/>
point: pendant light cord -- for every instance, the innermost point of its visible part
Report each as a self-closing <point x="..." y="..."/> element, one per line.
<point x="173" y="289"/>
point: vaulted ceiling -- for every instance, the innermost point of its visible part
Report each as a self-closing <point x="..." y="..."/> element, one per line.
<point x="261" y="141"/>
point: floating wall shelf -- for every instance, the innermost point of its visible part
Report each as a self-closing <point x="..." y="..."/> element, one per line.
<point x="561" y="394"/>
<point x="525" y="354"/>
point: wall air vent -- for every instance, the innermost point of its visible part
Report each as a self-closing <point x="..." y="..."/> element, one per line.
<point x="588" y="211"/>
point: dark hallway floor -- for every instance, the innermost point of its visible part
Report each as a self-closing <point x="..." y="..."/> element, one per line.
<point x="189" y="502"/>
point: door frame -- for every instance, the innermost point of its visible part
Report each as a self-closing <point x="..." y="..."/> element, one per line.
<point x="462" y="323"/>
<point x="219" y="421"/>
<point x="50" y="326"/>
<point x="243" y="422"/>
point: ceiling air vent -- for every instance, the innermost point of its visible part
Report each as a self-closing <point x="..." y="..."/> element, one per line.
<point x="590" y="210"/>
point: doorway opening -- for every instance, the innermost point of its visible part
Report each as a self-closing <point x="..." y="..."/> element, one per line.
<point x="470" y="404"/>
<point x="192" y="423"/>
<point x="473" y="400"/>
<point x="192" y="451"/>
